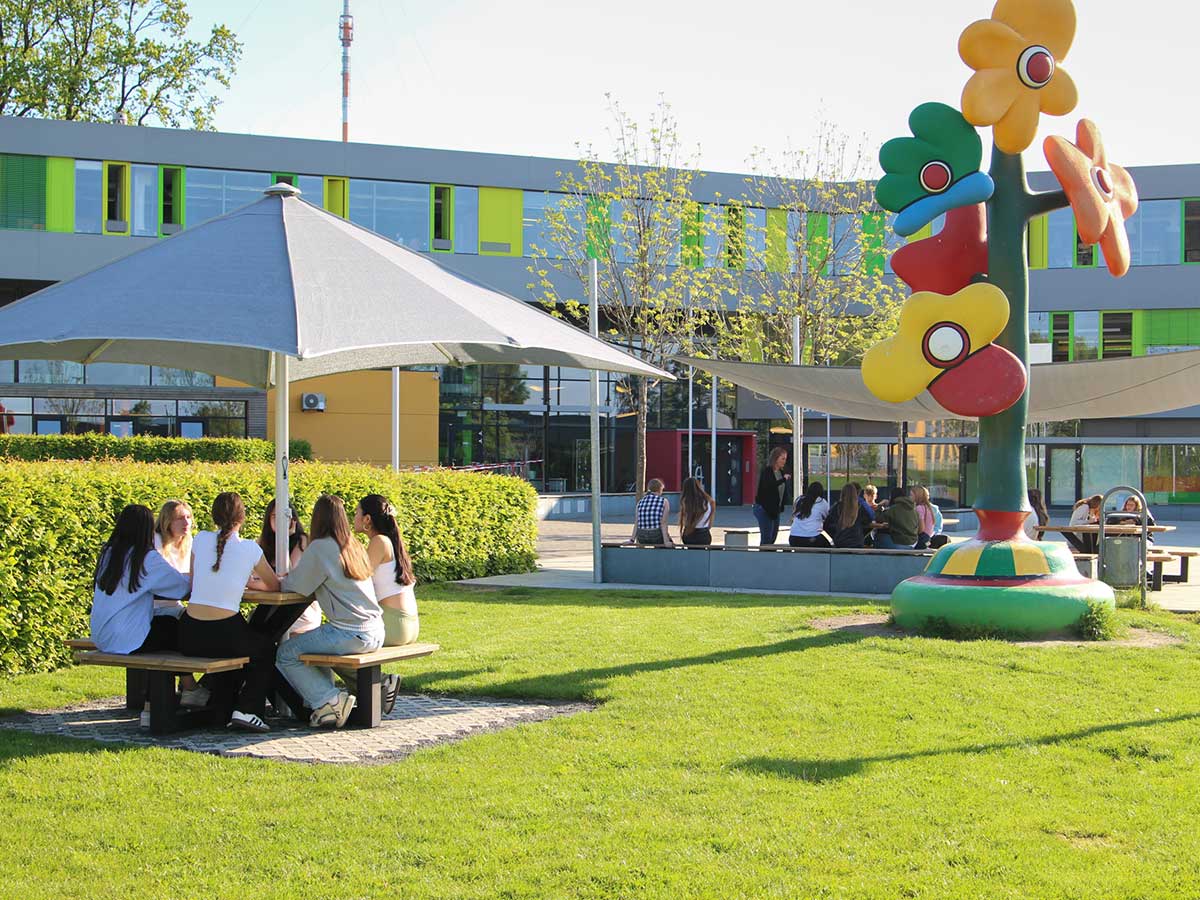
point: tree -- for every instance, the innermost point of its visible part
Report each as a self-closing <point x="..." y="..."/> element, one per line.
<point x="111" y="61"/>
<point x="809" y="240"/>
<point x="638" y="218"/>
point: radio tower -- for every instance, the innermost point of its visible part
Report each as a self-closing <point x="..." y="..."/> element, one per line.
<point x="346" y="35"/>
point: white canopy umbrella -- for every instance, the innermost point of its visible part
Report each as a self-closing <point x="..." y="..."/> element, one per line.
<point x="1097" y="389"/>
<point x="281" y="290"/>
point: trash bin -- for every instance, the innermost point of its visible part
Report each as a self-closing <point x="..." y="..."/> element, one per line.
<point x="1121" y="566"/>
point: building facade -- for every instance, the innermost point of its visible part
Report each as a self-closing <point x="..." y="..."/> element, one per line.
<point x="74" y="196"/>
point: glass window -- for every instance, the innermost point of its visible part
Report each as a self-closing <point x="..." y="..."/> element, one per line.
<point x="1108" y="465"/>
<point x="89" y="196"/>
<point x="395" y="209"/>
<point x="172" y="199"/>
<point x="536" y="230"/>
<point x="466" y="220"/>
<point x="116" y="198"/>
<point x="443" y="218"/>
<point x="180" y="377"/>
<point x="226" y="427"/>
<point x="1117" y="335"/>
<point x="120" y="427"/>
<point x="1087" y="335"/>
<point x="49" y="371"/>
<point x="214" y="192"/>
<point x="47" y="426"/>
<point x="17" y="404"/>
<point x="1039" y="328"/>
<point x="1154" y="233"/>
<point x="756" y="238"/>
<point x="8" y="371"/>
<point x="846" y="249"/>
<point x="145" y="200"/>
<point x="1191" y="231"/>
<point x="232" y="409"/>
<point x="1085" y="254"/>
<point x="117" y="373"/>
<point x="312" y="188"/>
<point x="141" y="407"/>
<point x="191" y="429"/>
<point x="1060" y="337"/>
<point x="1060" y="239"/>
<point x="891" y="242"/>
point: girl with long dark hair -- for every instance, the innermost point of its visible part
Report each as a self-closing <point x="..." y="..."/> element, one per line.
<point x="310" y="618"/>
<point x="336" y="570"/>
<point x="1039" y="518"/>
<point x="696" y="511"/>
<point x="808" y="518"/>
<point x="212" y="625"/>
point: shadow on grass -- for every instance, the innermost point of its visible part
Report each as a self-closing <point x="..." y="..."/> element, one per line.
<point x="818" y="771"/>
<point x="520" y="596"/>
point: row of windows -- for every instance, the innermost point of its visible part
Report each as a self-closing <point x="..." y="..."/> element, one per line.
<point x="54" y="371"/>
<point x="1116" y="334"/>
<point x="1161" y="233"/>
<point x="123" y="418"/>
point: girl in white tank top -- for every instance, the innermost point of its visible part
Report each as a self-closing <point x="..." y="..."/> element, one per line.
<point x="376" y="517"/>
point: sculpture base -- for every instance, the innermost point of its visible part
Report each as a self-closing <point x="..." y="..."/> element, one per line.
<point x="1014" y="585"/>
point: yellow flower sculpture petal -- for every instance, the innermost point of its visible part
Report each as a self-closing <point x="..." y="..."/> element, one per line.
<point x="1017" y="55"/>
<point x="937" y="332"/>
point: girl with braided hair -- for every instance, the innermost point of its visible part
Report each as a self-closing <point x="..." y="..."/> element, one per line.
<point x="212" y="625"/>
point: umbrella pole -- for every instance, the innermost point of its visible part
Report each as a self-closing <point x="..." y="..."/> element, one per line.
<point x="594" y="417"/>
<point x="282" y="496"/>
<point x="395" y="418"/>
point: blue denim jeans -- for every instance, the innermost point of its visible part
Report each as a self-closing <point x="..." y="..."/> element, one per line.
<point x="315" y="683"/>
<point x="768" y="527"/>
<point x="884" y="541"/>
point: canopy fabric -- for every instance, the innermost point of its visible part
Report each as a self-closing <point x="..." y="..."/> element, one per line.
<point x="281" y="275"/>
<point x="1099" y="389"/>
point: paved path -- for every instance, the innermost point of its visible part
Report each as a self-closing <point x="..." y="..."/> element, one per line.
<point x="418" y="720"/>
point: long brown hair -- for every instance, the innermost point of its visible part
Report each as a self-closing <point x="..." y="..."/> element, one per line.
<point x="228" y="512"/>
<point x="329" y="521"/>
<point x="1039" y="506"/>
<point x="694" y="503"/>
<point x="382" y="516"/>
<point x="848" y="511"/>
<point x="266" y="538"/>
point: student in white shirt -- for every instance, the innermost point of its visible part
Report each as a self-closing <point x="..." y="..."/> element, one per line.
<point x="808" y="518"/>
<point x="213" y="625"/>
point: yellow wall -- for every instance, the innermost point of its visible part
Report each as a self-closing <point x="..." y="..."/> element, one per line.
<point x="355" y="426"/>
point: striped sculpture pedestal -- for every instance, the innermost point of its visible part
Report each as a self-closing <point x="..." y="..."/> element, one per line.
<point x="999" y="580"/>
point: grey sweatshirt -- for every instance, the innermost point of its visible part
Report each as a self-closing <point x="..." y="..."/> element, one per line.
<point x="346" y="603"/>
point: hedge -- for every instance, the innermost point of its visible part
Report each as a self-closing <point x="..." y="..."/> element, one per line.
<point x="54" y="517"/>
<point x="145" y="448"/>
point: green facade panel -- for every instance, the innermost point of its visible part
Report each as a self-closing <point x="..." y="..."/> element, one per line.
<point x="500" y="221"/>
<point x="23" y="192"/>
<point x="60" y="194"/>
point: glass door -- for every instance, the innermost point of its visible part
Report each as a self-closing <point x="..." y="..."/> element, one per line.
<point x="1062" y="476"/>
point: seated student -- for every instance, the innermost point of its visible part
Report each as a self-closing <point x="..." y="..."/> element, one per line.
<point x="866" y="499"/>
<point x="1131" y="514"/>
<point x="267" y="618"/>
<point x="650" y="516"/>
<point x="929" y="533"/>
<point x="335" y="568"/>
<point x="808" y="518"/>
<point x="1085" y="512"/>
<point x="212" y="625"/>
<point x="848" y="522"/>
<point x="903" y="524"/>
<point x="392" y="575"/>
<point x="696" y="511"/>
<point x="1038" y="519"/>
<point x="173" y="539"/>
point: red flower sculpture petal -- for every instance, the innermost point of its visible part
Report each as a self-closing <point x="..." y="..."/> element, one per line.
<point x="946" y="262"/>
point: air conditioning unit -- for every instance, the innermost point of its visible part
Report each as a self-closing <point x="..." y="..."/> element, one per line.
<point x="312" y="402"/>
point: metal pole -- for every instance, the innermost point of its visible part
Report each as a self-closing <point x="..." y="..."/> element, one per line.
<point x="346" y="35"/>
<point x="282" y="495"/>
<point x="594" y="416"/>
<point x="395" y="418"/>
<point x="797" y="419"/>
<point x="828" y="453"/>
<point x="712" y="456"/>
<point x="691" y="415"/>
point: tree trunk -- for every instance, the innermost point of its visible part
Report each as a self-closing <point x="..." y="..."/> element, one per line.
<point x="643" y="389"/>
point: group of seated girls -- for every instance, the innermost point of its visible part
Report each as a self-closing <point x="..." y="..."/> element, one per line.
<point x="146" y="568"/>
<point x="910" y="519"/>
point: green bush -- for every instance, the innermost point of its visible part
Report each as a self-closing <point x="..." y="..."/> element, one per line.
<point x="54" y="517"/>
<point x="144" y="448"/>
<point x="1099" y="623"/>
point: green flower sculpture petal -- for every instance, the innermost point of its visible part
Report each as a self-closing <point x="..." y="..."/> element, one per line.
<point x="934" y="171"/>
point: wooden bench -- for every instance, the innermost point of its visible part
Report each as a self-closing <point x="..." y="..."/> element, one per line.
<point x="1086" y="564"/>
<point x="368" y="706"/>
<point x="159" y="671"/>
<point x="1183" y="556"/>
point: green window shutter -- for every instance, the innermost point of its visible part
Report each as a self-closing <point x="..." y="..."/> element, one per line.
<point x="60" y="194"/>
<point x="820" y="247"/>
<point x="599" y="229"/>
<point x="777" y="241"/>
<point x="337" y="196"/>
<point x="500" y="221"/>
<point x="23" y="192"/>
<point x="692" y="235"/>
<point x="1193" y="331"/>
<point x="1039" y="234"/>
<point x="873" y="225"/>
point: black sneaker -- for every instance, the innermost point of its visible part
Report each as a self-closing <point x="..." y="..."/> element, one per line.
<point x="390" y="685"/>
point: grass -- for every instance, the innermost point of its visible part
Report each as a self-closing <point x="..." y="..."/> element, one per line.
<point x="737" y="752"/>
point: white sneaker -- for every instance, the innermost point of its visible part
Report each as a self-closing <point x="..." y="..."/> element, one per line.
<point x="335" y="713"/>
<point x="195" y="698"/>
<point x="144" y="720"/>
<point x="388" y="687"/>
<point x="248" y="722"/>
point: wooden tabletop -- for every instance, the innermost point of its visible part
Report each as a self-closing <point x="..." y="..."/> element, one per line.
<point x="273" y="598"/>
<point x="1108" y="529"/>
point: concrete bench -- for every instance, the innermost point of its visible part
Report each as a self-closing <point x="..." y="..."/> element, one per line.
<point x="368" y="710"/>
<point x="741" y="537"/>
<point x="799" y="569"/>
<point x="159" y="671"/>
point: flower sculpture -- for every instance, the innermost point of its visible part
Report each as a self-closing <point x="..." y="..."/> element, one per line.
<point x="1102" y="194"/>
<point x="1017" y="56"/>
<point x="934" y="171"/>
<point x="947" y="262"/>
<point x="944" y="344"/>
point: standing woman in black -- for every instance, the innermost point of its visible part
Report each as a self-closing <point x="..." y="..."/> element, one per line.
<point x="768" y="500"/>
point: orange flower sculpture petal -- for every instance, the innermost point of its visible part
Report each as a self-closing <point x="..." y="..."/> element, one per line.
<point x="1017" y="56"/>
<point x="1102" y="194"/>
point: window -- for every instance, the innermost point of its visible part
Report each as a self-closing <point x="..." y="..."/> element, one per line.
<point x="1060" y="337"/>
<point x="337" y="196"/>
<point x="1154" y="233"/>
<point x="847" y="252"/>
<point x="820" y="248"/>
<point x="283" y="178"/>
<point x="442" y="228"/>
<point x="1060" y="239"/>
<point x="535" y="229"/>
<point x="1086" y="327"/>
<point x="23" y="192"/>
<point x="755" y="237"/>
<point x="144" y="197"/>
<point x="116" y="198"/>
<point x="116" y="373"/>
<point x="395" y="209"/>
<point x="312" y="188"/>
<point x="49" y="371"/>
<point x="1191" y="230"/>
<point x="8" y="371"/>
<point x="466" y="220"/>
<point x="1040" y="347"/>
<point x="735" y="237"/>
<point x="214" y="192"/>
<point x="171" y="200"/>
<point x="1085" y="254"/>
<point x="180" y="377"/>
<point x="89" y="196"/>
<point x="1116" y="335"/>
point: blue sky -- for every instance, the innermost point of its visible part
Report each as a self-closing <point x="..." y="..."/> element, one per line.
<point x="529" y="76"/>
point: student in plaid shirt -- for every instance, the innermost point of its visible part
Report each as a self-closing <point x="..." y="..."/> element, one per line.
<point x="650" y="519"/>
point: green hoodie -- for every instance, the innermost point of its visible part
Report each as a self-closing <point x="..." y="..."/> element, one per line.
<point x="902" y="519"/>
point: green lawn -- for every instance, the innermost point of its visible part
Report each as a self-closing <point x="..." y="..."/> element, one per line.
<point x="737" y="752"/>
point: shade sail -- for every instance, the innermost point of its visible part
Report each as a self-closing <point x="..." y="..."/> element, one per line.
<point x="1099" y="389"/>
<point x="281" y="275"/>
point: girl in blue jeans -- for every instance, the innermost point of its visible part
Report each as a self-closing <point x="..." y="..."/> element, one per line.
<point x="335" y="571"/>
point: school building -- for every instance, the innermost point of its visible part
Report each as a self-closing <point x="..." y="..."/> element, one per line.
<point x="74" y="196"/>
